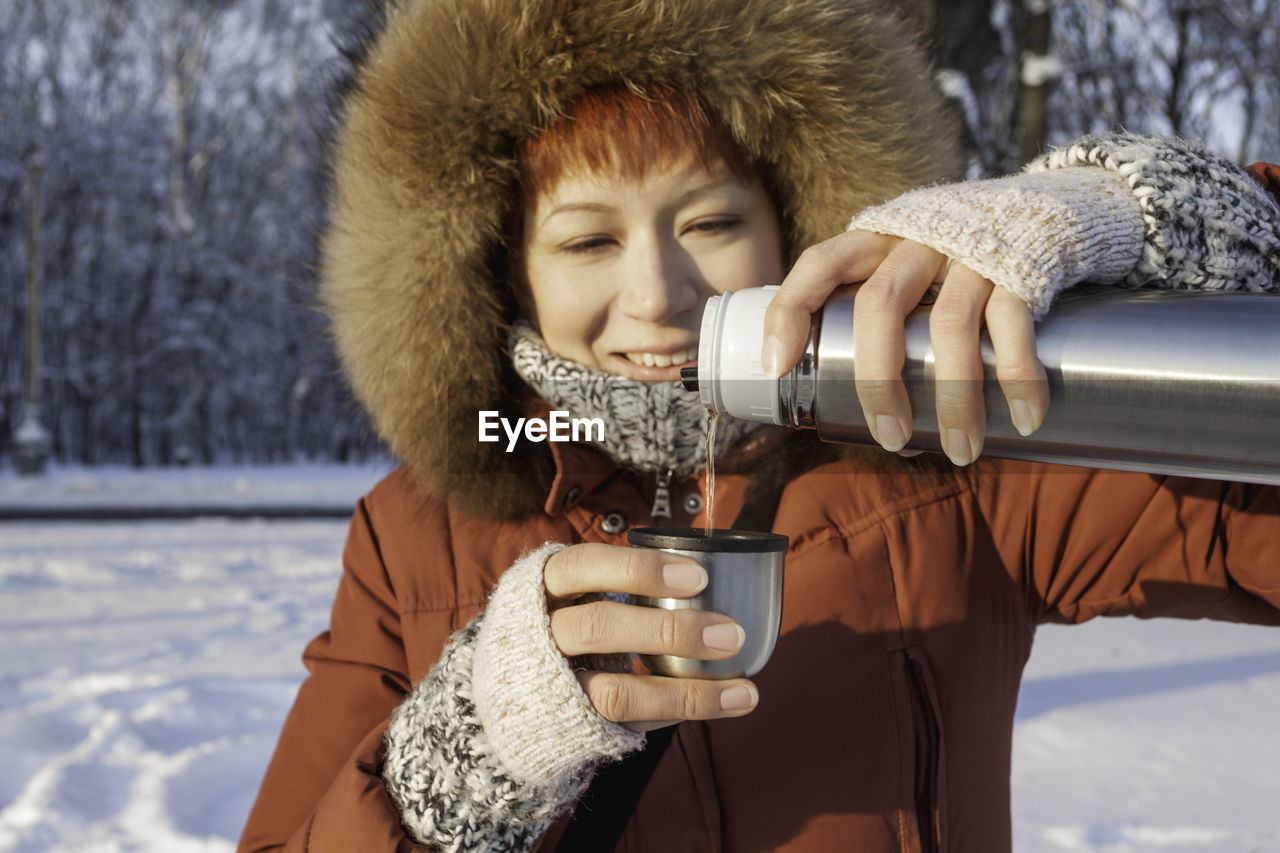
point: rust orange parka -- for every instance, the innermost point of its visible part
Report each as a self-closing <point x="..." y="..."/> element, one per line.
<point x="885" y="721"/>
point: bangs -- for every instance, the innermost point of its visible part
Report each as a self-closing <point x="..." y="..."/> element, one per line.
<point x="620" y="131"/>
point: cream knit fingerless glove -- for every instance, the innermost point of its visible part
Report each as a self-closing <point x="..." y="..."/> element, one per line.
<point x="494" y="780"/>
<point x="541" y="725"/>
<point x="1035" y="234"/>
<point x="1107" y="208"/>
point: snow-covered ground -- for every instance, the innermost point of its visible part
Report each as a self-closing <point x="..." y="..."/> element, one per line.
<point x="235" y="487"/>
<point x="146" y="669"/>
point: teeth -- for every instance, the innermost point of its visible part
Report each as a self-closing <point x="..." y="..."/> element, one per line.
<point x="653" y="359"/>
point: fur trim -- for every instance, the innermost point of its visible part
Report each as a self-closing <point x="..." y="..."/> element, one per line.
<point x="835" y="95"/>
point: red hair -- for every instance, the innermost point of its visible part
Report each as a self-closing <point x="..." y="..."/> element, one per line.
<point x="620" y="130"/>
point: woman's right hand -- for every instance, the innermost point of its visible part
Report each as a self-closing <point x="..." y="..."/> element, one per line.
<point x="896" y="274"/>
<point x="643" y="702"/>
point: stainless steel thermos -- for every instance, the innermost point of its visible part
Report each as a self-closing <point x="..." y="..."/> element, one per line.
<point x="1165" y="382"/>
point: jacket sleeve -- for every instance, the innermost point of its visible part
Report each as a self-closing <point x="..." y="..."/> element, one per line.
<point x="1082" y="543"/>
<point x="482" y="754"/>
<point x="322" y="790"/>
<point x="1268" y="177"/>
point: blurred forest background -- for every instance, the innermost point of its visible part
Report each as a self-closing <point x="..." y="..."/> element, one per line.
<point x="162" y="182"/>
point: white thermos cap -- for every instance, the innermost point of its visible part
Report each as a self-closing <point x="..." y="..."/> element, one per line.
<point x="730" y="377"/>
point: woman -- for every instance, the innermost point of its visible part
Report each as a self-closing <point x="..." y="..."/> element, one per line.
<point x="532" y="203"/>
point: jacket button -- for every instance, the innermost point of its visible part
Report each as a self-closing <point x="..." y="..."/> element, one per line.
<point x="572" y="496"/>
<point x="693" y="503"/>
<point x="613" y="522"/>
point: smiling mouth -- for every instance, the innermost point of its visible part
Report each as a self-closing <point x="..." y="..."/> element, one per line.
<point x="653" y="359"/>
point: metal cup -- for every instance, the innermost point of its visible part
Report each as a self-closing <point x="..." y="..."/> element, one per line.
<point x="744" y="571"/>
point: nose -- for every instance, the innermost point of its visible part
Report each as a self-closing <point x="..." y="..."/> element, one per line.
<point x="660" y="282"/>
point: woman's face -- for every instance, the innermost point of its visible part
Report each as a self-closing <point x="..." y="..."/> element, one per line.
<point x="619" y="269"/>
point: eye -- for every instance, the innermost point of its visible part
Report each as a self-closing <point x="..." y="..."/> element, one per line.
<point x="713" y="225"/>
<point x="587" y="245"/>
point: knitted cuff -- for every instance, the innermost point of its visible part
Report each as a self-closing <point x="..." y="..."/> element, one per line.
<point x="1033" y="234"/>
<point x="466" y="779"/>
<point x="449" y="787"/>
<point x="1208" y="225"/>
<point x="542" y="727"/>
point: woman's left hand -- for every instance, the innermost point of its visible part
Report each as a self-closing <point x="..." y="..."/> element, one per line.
<point x="896" y="274"/>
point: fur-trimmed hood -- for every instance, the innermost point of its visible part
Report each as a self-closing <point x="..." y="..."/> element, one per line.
<point x="835" y="96"/>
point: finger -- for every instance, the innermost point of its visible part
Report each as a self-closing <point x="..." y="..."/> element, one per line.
<point x="1011" y="328"/>
<point x="650" y="725"/>
<point x="955" y="324"/>
<point x="820" y="269"/>
<point x="879" y="342"/>
<point x="607" y="627"/>
<point x="655" y="700"/>
<point x="596" y="567"/>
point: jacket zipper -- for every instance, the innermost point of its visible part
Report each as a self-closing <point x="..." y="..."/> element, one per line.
<point x="662" y="496"/>
<point x="928" y="738"/>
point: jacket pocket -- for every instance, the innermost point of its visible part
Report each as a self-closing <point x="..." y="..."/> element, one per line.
<point x="921" y="755"/>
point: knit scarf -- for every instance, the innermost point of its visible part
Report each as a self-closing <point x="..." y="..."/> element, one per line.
<point x="653" y="427"/>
